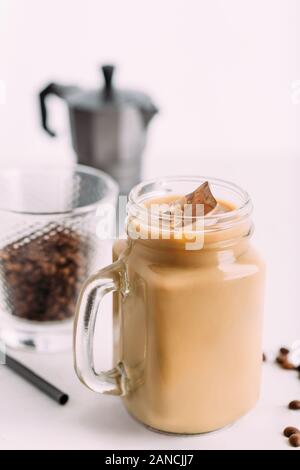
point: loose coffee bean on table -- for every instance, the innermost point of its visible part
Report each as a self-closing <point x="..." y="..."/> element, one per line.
<point x="284" y="351"/>
<point x="294" y="405"/>
<point x="41" y="273"/>
<point x="287" y="365"/>
<point x="283" y="359"/>
<point x="294" y="440"/>
<point x="289" y="430"/>
<point x="284" y="363"/>
<point x="264" y="357"/>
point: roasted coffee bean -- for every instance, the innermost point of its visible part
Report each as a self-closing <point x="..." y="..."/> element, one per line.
<point x="287" y="365"/>
<point x="283" y="361"/>
<point x="42" y="273"/>
<point x="294" y="440"/>
<point x="294" y="405"/>
<point x="288" y="431"/>
<point x="284" y="351"/>
<point x="264" y="357"/>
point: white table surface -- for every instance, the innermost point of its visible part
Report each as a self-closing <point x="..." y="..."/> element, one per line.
<point x="30" y="420"/>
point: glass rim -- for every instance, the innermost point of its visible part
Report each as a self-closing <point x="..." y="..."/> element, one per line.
<point x="223" y="219"/>
<point x="111" y="187"/>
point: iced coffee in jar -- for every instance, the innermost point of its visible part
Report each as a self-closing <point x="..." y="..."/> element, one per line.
<point x="188" y="306"/>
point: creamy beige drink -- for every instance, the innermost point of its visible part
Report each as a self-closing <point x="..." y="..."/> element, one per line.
<point x="188" y="301"/>
<point x="190" y="325"/>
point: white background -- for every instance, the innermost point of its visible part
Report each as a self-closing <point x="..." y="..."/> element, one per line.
<point x="222" y="73"/>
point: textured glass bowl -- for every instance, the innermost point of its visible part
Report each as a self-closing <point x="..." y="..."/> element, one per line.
<point x="48" y="246"/>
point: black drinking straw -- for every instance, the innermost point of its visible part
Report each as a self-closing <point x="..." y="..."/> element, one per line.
<point x="57" y="395"/>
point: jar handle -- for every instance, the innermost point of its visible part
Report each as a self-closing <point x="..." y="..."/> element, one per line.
<point x="112" y="382"/>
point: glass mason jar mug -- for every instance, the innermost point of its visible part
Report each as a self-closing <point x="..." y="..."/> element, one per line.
<point x="187" y="322"/>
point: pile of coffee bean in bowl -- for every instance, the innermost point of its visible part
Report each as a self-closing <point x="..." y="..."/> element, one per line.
<point x="41" y="273"/>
